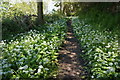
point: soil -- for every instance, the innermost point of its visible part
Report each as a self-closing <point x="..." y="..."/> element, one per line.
<point x="70" y="62"/>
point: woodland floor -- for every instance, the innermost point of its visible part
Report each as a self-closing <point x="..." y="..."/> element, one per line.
<point x="70" y="63"/>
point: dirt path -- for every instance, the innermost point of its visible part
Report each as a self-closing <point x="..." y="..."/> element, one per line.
<point x="70" y="62"/>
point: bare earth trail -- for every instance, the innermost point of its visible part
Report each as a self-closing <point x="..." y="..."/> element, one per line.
<point x="70" y="63"/>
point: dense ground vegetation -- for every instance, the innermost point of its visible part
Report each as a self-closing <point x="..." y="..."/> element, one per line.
<point x="98" y="34"/>
<point x="33" y="54"/>
<point x="100" y="51"/>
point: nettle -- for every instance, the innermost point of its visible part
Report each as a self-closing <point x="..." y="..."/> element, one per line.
<point x="32" y="54"/>
<point x="101" y="51"/>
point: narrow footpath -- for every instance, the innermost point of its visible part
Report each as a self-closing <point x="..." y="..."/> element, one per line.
<point x="70" y="63"/>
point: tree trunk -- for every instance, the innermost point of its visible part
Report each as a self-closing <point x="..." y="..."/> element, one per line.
<point x="40" y="19"/>
<point x="61" y="7"/>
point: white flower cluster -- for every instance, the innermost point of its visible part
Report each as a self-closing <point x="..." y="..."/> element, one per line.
<point x="100" y="49"/>
<point x="32" y="54"/>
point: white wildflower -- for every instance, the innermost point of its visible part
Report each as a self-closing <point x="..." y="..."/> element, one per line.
<point x="40" y="62"/>
<point x="107" y="46"/>
<point x="25" y="71"/>
<point x="116" y="63"/>
<point x="32" y="76"/>
<point x="24" y="67"/>
<point x="30" y="45"/>
<point x="19" y="55"/>
<point x="92" y="76"/>
<point x="16" y="50"/>
<point x="1" y="72"/>
<point x="40" y="67"/>
<point x="20" y="62"/>
<point x="39" y="70"/>
<point x="10" y="71"/>
<point x="111" y="64"/>
<point x="2" y="43"/>
<point x="21" y="59"/>
<point x="46" y="69"/>
<point x="111" y="69"/>
<point x="99" y="50"/>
